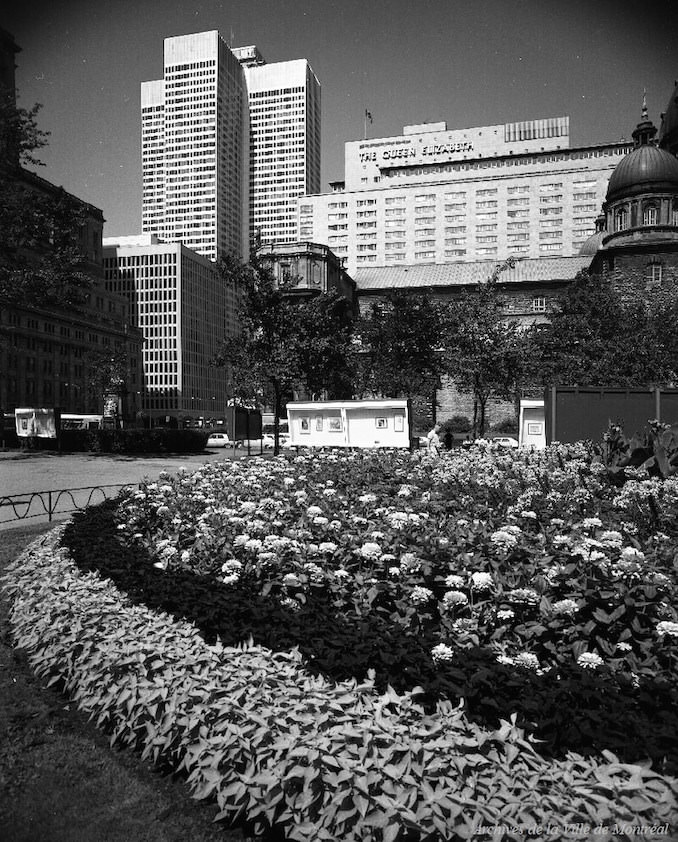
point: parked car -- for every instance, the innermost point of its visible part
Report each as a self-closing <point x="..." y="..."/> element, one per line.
<point x="504" y="441"/>
<point x="218" y="440"/>
<point x="255" y="444"/>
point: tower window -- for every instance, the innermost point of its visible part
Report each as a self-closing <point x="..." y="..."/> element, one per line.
<point x="620" y="219"/>
<point x="650" y="215"/>
<point x="539" y="304"/>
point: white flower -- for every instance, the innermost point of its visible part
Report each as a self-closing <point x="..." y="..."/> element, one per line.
<point x="394" y="571"/>
<point x="410" y="562"/>
<point x="632" y="554"/>
<point x="561" y="540"/>
<point x="341" y="573"/>
<point x="527" y="660"/>
<point x="503" y="538"/>
<point x="241" y="540"/>
<point x="611" y="538"/>
<point x="591" y="522"/>
<point x="327" y="547"/>
<point x="405" y="491"/>
<point x="565" y="606"/>
<point x="248" y="507"/>
<point x="452" y="598"/>
<point x="314" y="572"/>
<point x="397" y="519"/>
<point x="530" y="515"/>
<point x="314" y="511"/>
<point x="624" y="647"/>
<point x="505" y="614"/>
<point x="290" y="580"/>
<point x="253" y="545"/>
<point x="442" y="653"/>
<point x="378" y="536"/>
<point x="368" y="498"/>
<point x="454" y="581"/>
<point x="232" y="565"/>
<point x="320" y="521"/>
<point x="370" y="550"/>
<point x="230" y="579"/>
<point x="481" y="581"/>
<point x="525" y="595"/>
<point x="666" y="627"/>
<point x="420" y="595"/>
<point x="292" y="604"/>
<point x="589" y="660"/>
<point x="329" y="492"/>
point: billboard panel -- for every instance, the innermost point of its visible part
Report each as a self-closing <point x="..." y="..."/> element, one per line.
<point x="42" y="423"/>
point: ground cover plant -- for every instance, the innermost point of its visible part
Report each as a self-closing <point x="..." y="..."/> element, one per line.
<point x="274" y="744"/>
<point x="531" y="593"/>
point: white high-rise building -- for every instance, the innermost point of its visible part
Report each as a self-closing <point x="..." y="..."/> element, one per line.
<point x="284" y="115"/>
<point x="195" y="149"/>
<point x="228" y="143"/>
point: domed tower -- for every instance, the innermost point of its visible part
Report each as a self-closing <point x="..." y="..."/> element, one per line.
<point x="640" y="247"/>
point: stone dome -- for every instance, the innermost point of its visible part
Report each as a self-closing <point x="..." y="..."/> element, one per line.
<point x="591" y="246"/>
<point x="645" y="169"/>
<point x="668" y="133"/>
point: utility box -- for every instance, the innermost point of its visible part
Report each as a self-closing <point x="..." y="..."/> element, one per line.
<point x="532" y="426"/>
<point x="365" y="424"/>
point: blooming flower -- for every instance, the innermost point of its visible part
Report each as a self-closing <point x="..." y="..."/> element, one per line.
<point x="632" y="554"/>
<point x="394" y="571"/>
<point x="565" y="606"/>
<point x="505" y="614"/>
<point x="454" y="581"/>
<point x="503" y="538"/>
<point x="442" y="653"/>
<point x="340" y="573"/>
<point x="527" y="660"/>
<point x="420" y="595"/>
<point x="452" y="598"/>
<point x="481" y="581"/>
<point x="524" y="595"/>
<point x="666" y="627"/>
<point x="327" y="547"/>
<point x="290" y="580"/>
<point x="590" y="660"/>
<point x="591" y="522"/>
<point x="314" y="511"/>
<point x="253" y="545"/>
<point x="370" y="550"/>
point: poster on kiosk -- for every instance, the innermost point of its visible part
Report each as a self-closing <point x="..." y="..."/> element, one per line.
<point x="368" y="423"/>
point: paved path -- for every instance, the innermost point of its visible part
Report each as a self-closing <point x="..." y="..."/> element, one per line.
<point x="22" y="475"/>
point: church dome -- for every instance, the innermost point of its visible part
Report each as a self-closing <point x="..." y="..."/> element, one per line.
<point x="590" y="247"/>
<point x="668" y="133"/>
<point x="646" y="168"/>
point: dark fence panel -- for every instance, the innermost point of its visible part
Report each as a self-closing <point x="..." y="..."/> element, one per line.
<point x="58" y="501"/>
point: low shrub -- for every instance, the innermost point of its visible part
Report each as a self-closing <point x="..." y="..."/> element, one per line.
<point x="283" y="748"/>
<point x="456" y="424"/>
<point x="507" y="426"/>
<point x="156" y="440"/>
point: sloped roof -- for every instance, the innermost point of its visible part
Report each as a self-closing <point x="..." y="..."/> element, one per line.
<point x="529" y="270"/>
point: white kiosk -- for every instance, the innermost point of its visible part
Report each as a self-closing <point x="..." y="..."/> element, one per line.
<point x="368" y="423"/>
<point x="532" y="427"/>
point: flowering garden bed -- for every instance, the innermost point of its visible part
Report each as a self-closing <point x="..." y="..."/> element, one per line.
<point x="483" y="639"/>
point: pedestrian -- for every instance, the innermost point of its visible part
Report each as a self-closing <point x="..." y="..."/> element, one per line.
<point x="433" y="441"/>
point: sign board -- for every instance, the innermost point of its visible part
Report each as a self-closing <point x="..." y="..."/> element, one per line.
<point x="43" y="423"/>
<point x="532" y="426"/>
<point x="369" y="423"/>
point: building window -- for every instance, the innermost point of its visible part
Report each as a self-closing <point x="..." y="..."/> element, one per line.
<point x="653" y="275"/>
<point x="650" y="215"/>
<point x="539" y="304"/>
<point x="620" y="219"/>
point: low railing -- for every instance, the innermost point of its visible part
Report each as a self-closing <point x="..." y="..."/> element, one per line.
<point x="57" y="501"/>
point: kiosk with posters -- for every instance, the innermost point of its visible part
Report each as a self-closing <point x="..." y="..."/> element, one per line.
<point x="368" y="423"/>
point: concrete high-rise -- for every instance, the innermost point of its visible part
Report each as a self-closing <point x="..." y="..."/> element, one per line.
<point x="195" y="148"/>
<point x="284" y="116"/>
<point x="228" y="143"/>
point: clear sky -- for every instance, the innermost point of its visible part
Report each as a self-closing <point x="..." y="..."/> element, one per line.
<point x="468" y="62"/>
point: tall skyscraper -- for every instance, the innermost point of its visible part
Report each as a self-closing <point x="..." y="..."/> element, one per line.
<point x="284" y="113"/>
<point x="228" y="144"/>
<point x="195" y="147"/>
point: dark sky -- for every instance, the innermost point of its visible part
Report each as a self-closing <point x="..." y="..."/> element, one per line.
<point x="468" y="62"/>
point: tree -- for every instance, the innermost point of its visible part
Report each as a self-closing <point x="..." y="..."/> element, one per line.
<point x="483" y="350"/>
<point x="40" y="225"/>
<point x="595" y="338"/>
<point x="397" y="350"/>
<point x="283" y="343"/>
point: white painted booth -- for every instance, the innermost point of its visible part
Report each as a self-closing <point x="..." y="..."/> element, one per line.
<point x="368" y="423"/>
<point x="532" y="424"/>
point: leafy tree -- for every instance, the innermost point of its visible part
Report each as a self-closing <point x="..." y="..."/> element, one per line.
<point x="40" y="225"/>
<point x="397" y="348"/>
<point x="283" y="343"/>
<point x="596" y="338"/>
<point x="484" y="351"/>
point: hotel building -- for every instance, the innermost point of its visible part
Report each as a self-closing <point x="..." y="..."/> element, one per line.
<point x="433" y="196"/>
<point x="194" y="148"/>
<point x="183" y="311"/>
<point x="228" y="143"/>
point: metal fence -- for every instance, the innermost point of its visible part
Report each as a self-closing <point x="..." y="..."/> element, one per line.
<point x="55" y="502"/>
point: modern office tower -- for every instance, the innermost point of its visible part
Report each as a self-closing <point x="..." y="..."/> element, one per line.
<point x="195" y="148"/>
<point x="184" y="312"/>
<point x="284" y="114"/>
<point x="435" y="196"/>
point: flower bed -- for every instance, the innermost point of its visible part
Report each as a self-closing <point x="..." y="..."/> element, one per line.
<point x="524" y="584"/>
<point x="284" y="748"/>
